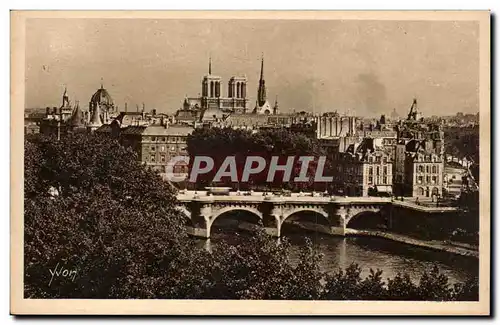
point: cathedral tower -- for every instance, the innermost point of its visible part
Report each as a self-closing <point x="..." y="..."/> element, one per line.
<point x="210" y="89"/>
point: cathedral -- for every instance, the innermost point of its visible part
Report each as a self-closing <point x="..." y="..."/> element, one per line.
<point x="212" y="106"/>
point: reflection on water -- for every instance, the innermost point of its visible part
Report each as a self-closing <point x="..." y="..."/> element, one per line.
<point x="377" y="253"/>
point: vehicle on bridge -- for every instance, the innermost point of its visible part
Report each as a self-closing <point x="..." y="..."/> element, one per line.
<point x="218" y="190"/>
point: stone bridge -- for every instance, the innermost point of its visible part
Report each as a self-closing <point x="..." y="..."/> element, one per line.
<point x="202" y="209"/>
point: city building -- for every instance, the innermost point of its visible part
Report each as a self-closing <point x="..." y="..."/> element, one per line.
<point x="363" y="169"/>
<point x="418" y="156"/>
<point x="424" y="168"/>
<point x="157" y="144"/>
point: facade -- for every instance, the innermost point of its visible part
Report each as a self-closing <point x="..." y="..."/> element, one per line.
<point x="157" y="144"/>
<point x="364" y="169"/>
<point x="335" y="126"/>
<point x="424" y="167"/>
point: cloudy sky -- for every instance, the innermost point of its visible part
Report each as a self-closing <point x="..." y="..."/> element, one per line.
<point x="366" y="67"/>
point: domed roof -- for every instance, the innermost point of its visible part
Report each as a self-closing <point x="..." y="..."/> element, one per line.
<point x="101" y="96"/>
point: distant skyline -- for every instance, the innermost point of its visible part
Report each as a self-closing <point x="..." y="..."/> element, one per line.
<point x="363" y="67"/>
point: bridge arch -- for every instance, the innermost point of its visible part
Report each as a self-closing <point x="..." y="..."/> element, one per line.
<point x="367" y="216"/>
<point x="321" y="212"/>
<point x="220" y="212"/>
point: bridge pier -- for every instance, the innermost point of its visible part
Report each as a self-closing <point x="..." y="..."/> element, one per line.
<point x="273" y="221"/>
<point x="340" y="222"/>
<point x="202" y="222"/>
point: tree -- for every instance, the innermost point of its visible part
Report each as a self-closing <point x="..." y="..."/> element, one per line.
<point x="111" y="219"/>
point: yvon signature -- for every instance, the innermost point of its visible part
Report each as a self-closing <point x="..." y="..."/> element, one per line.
<point x="62" y="272"/>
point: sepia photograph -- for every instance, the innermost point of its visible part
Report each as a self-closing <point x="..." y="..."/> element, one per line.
<point x="250" y="163"/>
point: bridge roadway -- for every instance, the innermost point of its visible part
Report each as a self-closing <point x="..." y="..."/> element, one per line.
<point x="202" y="208"/>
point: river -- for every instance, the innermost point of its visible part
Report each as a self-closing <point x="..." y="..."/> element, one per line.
<point x="369" y="252"/>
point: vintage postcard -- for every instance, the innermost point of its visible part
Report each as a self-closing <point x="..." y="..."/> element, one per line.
<point x="250" y="162"/>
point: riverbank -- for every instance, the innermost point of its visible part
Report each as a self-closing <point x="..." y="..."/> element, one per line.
<point x="429" y="244"/>
<point x="458" y="249"/>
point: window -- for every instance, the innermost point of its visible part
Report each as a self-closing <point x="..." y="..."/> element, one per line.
<point x="153" y="158"/>
<point x="428" y="179"/>
<point x="385" y="179"/>
<point x="370" y="180"/>
<point x="385" y="160"/>
<point x="153" y="148"/>
<point x="434" y="179"/>
<point x="385" y="170"/>
<point x="378" y="159"/>
<point x="172" y="148"/>
<point x="378" y="170"/>
<point x="420" y="179"/>
<point x="370" y="170"/>
<point x="162" y="158"/>
<point x="434" y="169"/>
<point x="427" y="169"/>
<point x="153" y="139"/>
<point x="420" y="169"/>
<point x="437" y="169"/>
<point x="420" y="191"/>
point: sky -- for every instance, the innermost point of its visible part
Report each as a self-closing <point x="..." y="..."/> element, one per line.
<point x="367" y="68"/>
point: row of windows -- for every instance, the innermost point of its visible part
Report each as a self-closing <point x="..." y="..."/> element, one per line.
<point x="163" y="148"/>
<point x="378" y="159"/>
<point x="166" y="139"/>
<point x="162" y="158"/>
<point x="421" y="191"/>
<point x="428" y="169"/>
<point x="428" y="179"/>
<point x="385" y="180"/>
<point x="377" y="169"/>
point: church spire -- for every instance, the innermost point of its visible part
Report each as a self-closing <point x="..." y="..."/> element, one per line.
<point x="65" y="98"/>
<point x="262" y="68"/>
<point x="261" y="93"/>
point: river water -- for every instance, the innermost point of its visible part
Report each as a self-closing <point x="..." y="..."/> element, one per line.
<point x="369" y="252"/>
